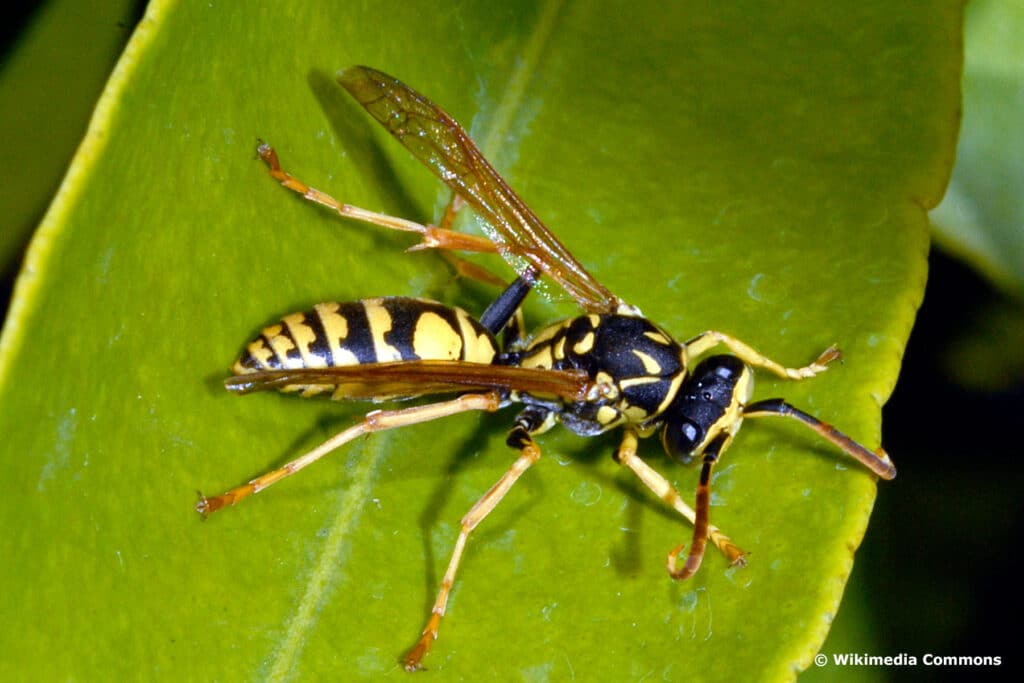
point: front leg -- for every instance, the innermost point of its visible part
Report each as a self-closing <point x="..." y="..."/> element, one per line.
<point x="751" y="356"/>
<point x="700" y="527"/>
<point x="626" y="456"/>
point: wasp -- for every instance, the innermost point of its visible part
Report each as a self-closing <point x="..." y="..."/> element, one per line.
<point x="608" y="368"/>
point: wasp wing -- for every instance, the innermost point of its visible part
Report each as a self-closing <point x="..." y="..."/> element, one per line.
<point x="408" y="379"/>
<point x="439" y="142"/>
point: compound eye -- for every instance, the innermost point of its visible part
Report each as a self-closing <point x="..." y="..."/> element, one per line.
<point x="681" y="437"/>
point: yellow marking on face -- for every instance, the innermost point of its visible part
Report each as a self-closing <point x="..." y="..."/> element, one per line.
<point x="604" y="378"/>
<point x="730" y="421"/>
<point x="336" y="328"/>
<point x="594" y="320"/>
<point x="380" y="324"/>
<point x="651" y="366"/>
<point x="478" y="346"/>
<point x="435" y="339"/>
<point x="744" y="387"/>
<point x="584" y="345"/>
<point x="304" y="338"/>
<point x="658" y="338"/>
<point x="741" y="394"/>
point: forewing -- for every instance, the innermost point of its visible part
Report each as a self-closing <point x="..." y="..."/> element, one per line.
<point x="407" y="379"/>
<point x="438" y="141"/>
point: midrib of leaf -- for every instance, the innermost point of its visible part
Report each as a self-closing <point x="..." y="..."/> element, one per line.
<point x="515" y="91"/>
<point x="318" y="583"/>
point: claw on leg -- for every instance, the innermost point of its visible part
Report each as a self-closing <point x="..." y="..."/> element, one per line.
<point x="413" y="660"/>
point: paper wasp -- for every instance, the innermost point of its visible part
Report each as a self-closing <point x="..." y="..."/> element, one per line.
<point x="609" y="367"/>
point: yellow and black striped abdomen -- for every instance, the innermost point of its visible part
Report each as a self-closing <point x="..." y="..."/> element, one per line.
<point x="380" y="330"/>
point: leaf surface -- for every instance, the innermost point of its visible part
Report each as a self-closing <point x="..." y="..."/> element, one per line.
<point x="759" y="170"/>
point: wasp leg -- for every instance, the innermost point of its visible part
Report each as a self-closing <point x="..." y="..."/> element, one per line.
<point x="462" y="267"/>
<point x="504" y="314"/>
<point x="455" y="205"/>
<point x="700" y="526"/>
<point x="472" y="271"/>
<point x="374" y="422"/>
<point x="626" y="455"/>
<point x="748" y="354"/>
<point x="431" y="237"/>
<point x="877" y="461"/>
<point x="532" y="420"/>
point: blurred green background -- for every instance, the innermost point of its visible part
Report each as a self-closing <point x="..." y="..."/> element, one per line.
<point x="935" y="565"/>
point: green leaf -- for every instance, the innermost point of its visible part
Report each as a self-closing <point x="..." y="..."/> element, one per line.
<point x="758" y="170"/>
<point x="853" y="631"/>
